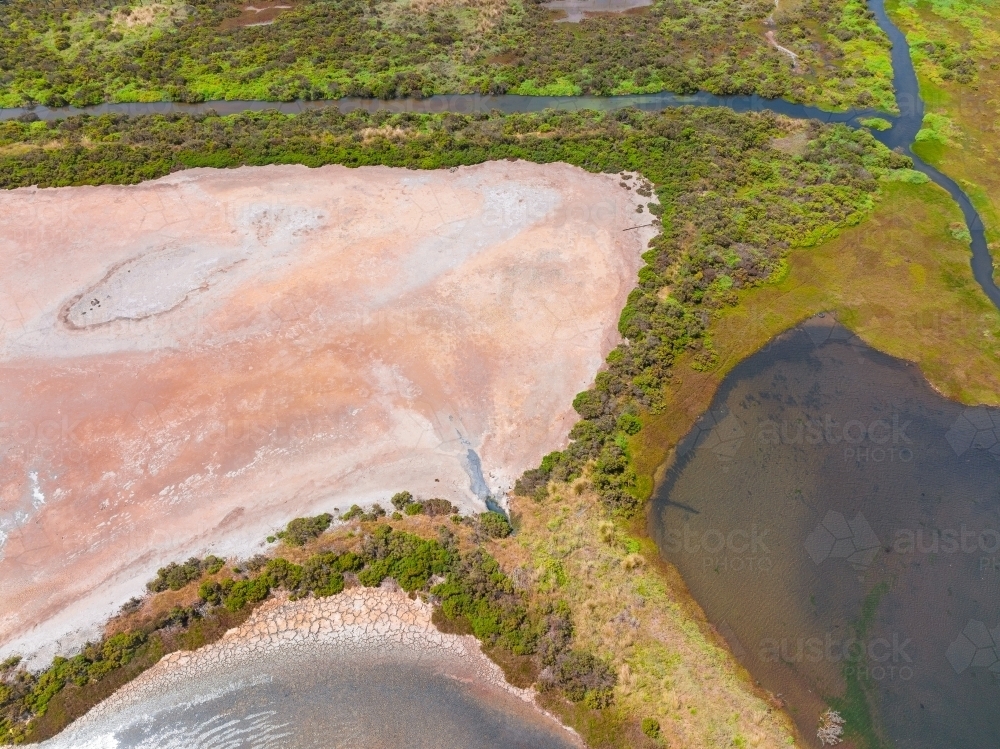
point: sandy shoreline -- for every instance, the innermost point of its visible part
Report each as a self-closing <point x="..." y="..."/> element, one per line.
<point x="381" y="623"/>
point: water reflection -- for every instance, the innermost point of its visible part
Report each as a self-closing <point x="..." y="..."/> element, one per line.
<point x="840" y="522"/>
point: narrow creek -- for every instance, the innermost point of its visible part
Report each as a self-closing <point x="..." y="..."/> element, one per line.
<point x="904" y="128"/>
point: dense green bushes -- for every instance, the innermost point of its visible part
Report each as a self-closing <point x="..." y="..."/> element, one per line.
<point x="583" y="677"/>
<point x="477" y="590"/>
<point x="175" y="576"/>
<point x="405" y="503"/>
<point x="409" y="560"/>
<point x="301" y="530"/>
<point x="494" y="525"/>
<point x="88" y="51"/>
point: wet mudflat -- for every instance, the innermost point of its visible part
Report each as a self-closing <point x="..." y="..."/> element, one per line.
<point x="839" y="522"/>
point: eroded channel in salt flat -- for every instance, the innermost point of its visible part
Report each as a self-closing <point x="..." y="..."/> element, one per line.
<point x="191" y="362"/>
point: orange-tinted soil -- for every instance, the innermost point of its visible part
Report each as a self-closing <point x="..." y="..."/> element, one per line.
<point x="188" y="363"/>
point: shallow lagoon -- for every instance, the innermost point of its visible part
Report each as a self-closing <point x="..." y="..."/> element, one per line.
<point x="839" y="522"/>
<point x="320" y="698"/>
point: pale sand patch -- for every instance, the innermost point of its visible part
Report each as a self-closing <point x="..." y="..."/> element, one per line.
<point x="189" y="363"/>
<point x="358" y="623"/>
<point x="578" y="10"/>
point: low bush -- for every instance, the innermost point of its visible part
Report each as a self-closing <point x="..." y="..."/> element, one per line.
<point x="175" y="576"/>
<point x="401" y="499"/>
<point x="301" y="530"/>
<point x="494" y="525"/>
<point x="584" y="678"/>
<point x="651" y="727"/>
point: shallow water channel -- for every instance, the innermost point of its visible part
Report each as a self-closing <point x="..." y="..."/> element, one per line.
<point x="839" y="522"/>
<point x="900" y="136"/>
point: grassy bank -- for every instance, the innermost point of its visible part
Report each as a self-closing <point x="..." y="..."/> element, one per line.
<point x="901" y="281"/>
<point x="955" y="48"/>
<point x="89" y="51"/>
<point x="674" y="673"/>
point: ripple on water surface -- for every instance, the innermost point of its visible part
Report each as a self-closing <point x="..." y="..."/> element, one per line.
<point x="323" y="697"/>
<point x="839" y="521"/>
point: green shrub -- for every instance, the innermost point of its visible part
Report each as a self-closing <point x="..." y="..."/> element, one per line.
<point x="302" y="530"/>
<point x="175" y="576"/>
<point x="651" y="727"/>
<point x="212" y="564"/>
<point x="629" y="423"/>
<point x="244" y="592"/>
<point x="477" y="590"/>
<point x="410" y="560"/>
<point x="585" y="677"/>
<point x="436" y="506"/>
<point x="354" y="512"/>
<point x="401" y="499"/>
<point x="494" y="525"/>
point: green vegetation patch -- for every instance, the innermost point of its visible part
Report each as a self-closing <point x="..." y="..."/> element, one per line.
<point x="90" y="51"/>
<point x="471" y="589"/>
<point x="876" y="123"/>
<point x="301" y="530"/>
<point x="175" y="576"/>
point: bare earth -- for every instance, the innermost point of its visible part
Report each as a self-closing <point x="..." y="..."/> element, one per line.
<point x="188" y="363"/>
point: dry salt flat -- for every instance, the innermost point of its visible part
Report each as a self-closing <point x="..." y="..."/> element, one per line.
<point x="191" y="362"/>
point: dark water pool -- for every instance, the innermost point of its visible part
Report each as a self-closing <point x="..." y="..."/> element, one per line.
<point x="840" y="522"/>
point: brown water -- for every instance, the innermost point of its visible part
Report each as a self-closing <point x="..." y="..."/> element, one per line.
<point x="839" y="521"/>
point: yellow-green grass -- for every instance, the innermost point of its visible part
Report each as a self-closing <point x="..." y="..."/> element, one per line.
<point x="900" y="280"/>
<point x="633" y="610"/>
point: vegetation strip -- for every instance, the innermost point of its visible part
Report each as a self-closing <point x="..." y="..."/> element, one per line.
<point x="91" y="51"/>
